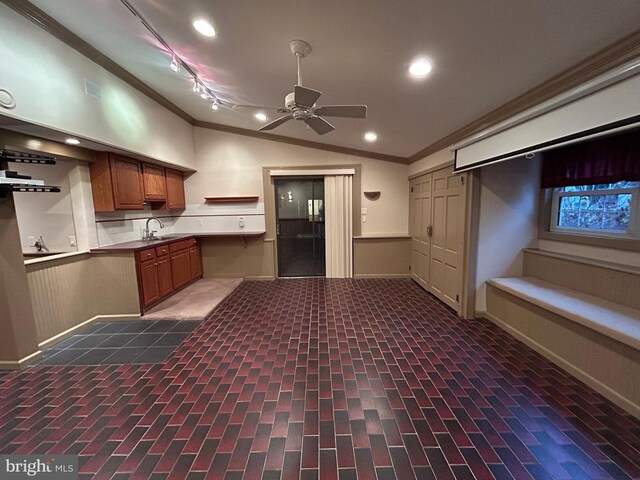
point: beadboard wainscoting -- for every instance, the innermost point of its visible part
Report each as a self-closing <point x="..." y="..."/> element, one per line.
<point x="78" y="289"/>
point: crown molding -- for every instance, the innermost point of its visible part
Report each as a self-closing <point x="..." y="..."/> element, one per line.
<point x="613" y="55"/>
<point x="301" y="143"/>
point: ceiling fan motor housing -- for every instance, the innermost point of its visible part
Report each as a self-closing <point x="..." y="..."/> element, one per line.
<point x="299" y="113"/>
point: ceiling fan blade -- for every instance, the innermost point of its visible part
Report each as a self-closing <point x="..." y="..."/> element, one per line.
<point x="320" y="125"/>
<point x="350" y="111"/>
<point x="276" y="123"/>
<point x="306" y="97"/>
<point x="260" y="107"/>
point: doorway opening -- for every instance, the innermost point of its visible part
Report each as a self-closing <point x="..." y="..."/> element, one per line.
<point x="300" y="227"/>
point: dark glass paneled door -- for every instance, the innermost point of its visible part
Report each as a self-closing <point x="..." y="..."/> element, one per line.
<point x="300" y="226"/>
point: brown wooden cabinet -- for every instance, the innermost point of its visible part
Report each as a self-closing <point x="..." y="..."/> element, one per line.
<point x="180" y="268"/>
<point x="175" y="190"/>
<point x="195" y="262"/>
<point x="149" y="287"/>
<point x="154" y="183"/>
<point x="165" y="269"/>
<point x="116" y="183"/>
<point x="165" y="284"/>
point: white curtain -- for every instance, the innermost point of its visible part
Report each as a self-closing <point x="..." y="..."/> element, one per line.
<point x="338" y="225"/>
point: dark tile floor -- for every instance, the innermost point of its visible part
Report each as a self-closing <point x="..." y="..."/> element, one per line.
<point x="331" y="379"/>
<point x="117" y="343"/>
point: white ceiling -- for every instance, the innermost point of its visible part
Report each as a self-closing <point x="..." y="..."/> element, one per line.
<point x="484" y="53"/>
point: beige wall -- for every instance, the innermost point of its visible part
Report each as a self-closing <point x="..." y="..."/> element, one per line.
<point x="228" y="164"/>
<point x="251" y="258"/>
<point x="508" y="220"/>
<point x="623" y="257"/>
<point x="69" y="291"/>
<point x="47" y="77"/>
<point x="381" y="257"/>
<point x="51" y="215"/>
<point x="17" y="327"/>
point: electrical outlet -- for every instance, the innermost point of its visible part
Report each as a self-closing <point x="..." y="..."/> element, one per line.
<point x="200" y="222"/>
<point x="364" y="219"/>
<point x="72" y="240"/>
<point x="31" y="240"/>
<point x="241" y="222"/>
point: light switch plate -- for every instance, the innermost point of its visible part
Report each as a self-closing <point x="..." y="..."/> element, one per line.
<point x="363" y="210"/>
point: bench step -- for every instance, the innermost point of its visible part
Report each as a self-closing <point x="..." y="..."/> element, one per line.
<point x="616" y="321"/>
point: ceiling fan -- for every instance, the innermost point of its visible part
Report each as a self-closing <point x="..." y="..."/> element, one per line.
<point x="301" y="103"/>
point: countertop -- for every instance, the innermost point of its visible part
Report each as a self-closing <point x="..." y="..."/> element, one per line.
<point x="137" y="245"/>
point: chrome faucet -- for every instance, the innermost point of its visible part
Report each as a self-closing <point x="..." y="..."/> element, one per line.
<point x="150" y="235"/>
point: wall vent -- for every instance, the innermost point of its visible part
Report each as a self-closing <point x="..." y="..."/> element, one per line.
<point x="92" y="90"/>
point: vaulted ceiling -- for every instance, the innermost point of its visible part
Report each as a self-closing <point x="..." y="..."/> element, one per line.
<point x="484" y="53"/>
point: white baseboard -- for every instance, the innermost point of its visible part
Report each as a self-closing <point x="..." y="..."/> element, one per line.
<point x="577" y="372"/>
<point x="71" y="331"/>
<point x="23" y="362"/>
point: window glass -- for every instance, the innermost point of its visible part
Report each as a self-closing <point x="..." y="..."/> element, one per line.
<point x="609" y="209"/>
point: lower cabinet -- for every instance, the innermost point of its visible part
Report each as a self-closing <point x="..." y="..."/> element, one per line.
<point x="166" y="269"/>
<point x="180" y="268"/>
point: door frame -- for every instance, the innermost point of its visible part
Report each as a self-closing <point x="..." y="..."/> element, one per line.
<point x="269" y="189"/>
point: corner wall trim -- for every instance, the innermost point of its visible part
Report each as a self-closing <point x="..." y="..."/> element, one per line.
<point x="609" y="393"/>
<point x="18" y="364"/>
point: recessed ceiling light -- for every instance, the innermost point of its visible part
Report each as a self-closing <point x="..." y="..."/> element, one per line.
<point x="72" y="141"/>
<point x="204" y="27"/>
<point x="420" y="68"/>
<point x="261" y="117"/>
<point x="371" y="136"/>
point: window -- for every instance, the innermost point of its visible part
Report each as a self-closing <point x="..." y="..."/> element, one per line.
<point x="604" y="210"/>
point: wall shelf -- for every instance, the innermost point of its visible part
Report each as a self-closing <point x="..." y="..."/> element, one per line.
<point x="238" y="199"/>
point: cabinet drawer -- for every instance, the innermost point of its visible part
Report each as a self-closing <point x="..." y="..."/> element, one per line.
<point x="163" y="250"/>
<point x="181" y="245"/>
<point x="148" y="254"/>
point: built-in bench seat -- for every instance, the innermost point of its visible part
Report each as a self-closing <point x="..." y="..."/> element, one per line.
<point x="582" y="314"/>
<point x="616" y="321"/>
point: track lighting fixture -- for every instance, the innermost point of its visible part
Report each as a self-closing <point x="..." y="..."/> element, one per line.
<point x="199" y="86"/>
<point x="175" y="66"/>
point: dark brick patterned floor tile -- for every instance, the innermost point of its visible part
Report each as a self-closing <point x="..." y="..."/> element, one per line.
<point x="313" y="378"/>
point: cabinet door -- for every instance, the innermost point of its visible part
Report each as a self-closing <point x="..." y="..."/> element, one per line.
<point x="196" y="263"/>
<point x="154" y="183"/>
<point x="127" y="183"/>
<point x="165" y="284"/>
<point x="180" y="268"/>
<point x="175" y="190"/>
<point x="149" y="282"/>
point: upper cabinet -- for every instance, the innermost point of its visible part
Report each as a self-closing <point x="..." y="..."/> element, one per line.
<point x="153" y="181"/>
<point x="175" y="190"/>
<point x="116" y="183"/>
<point x="121" y="183"/>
